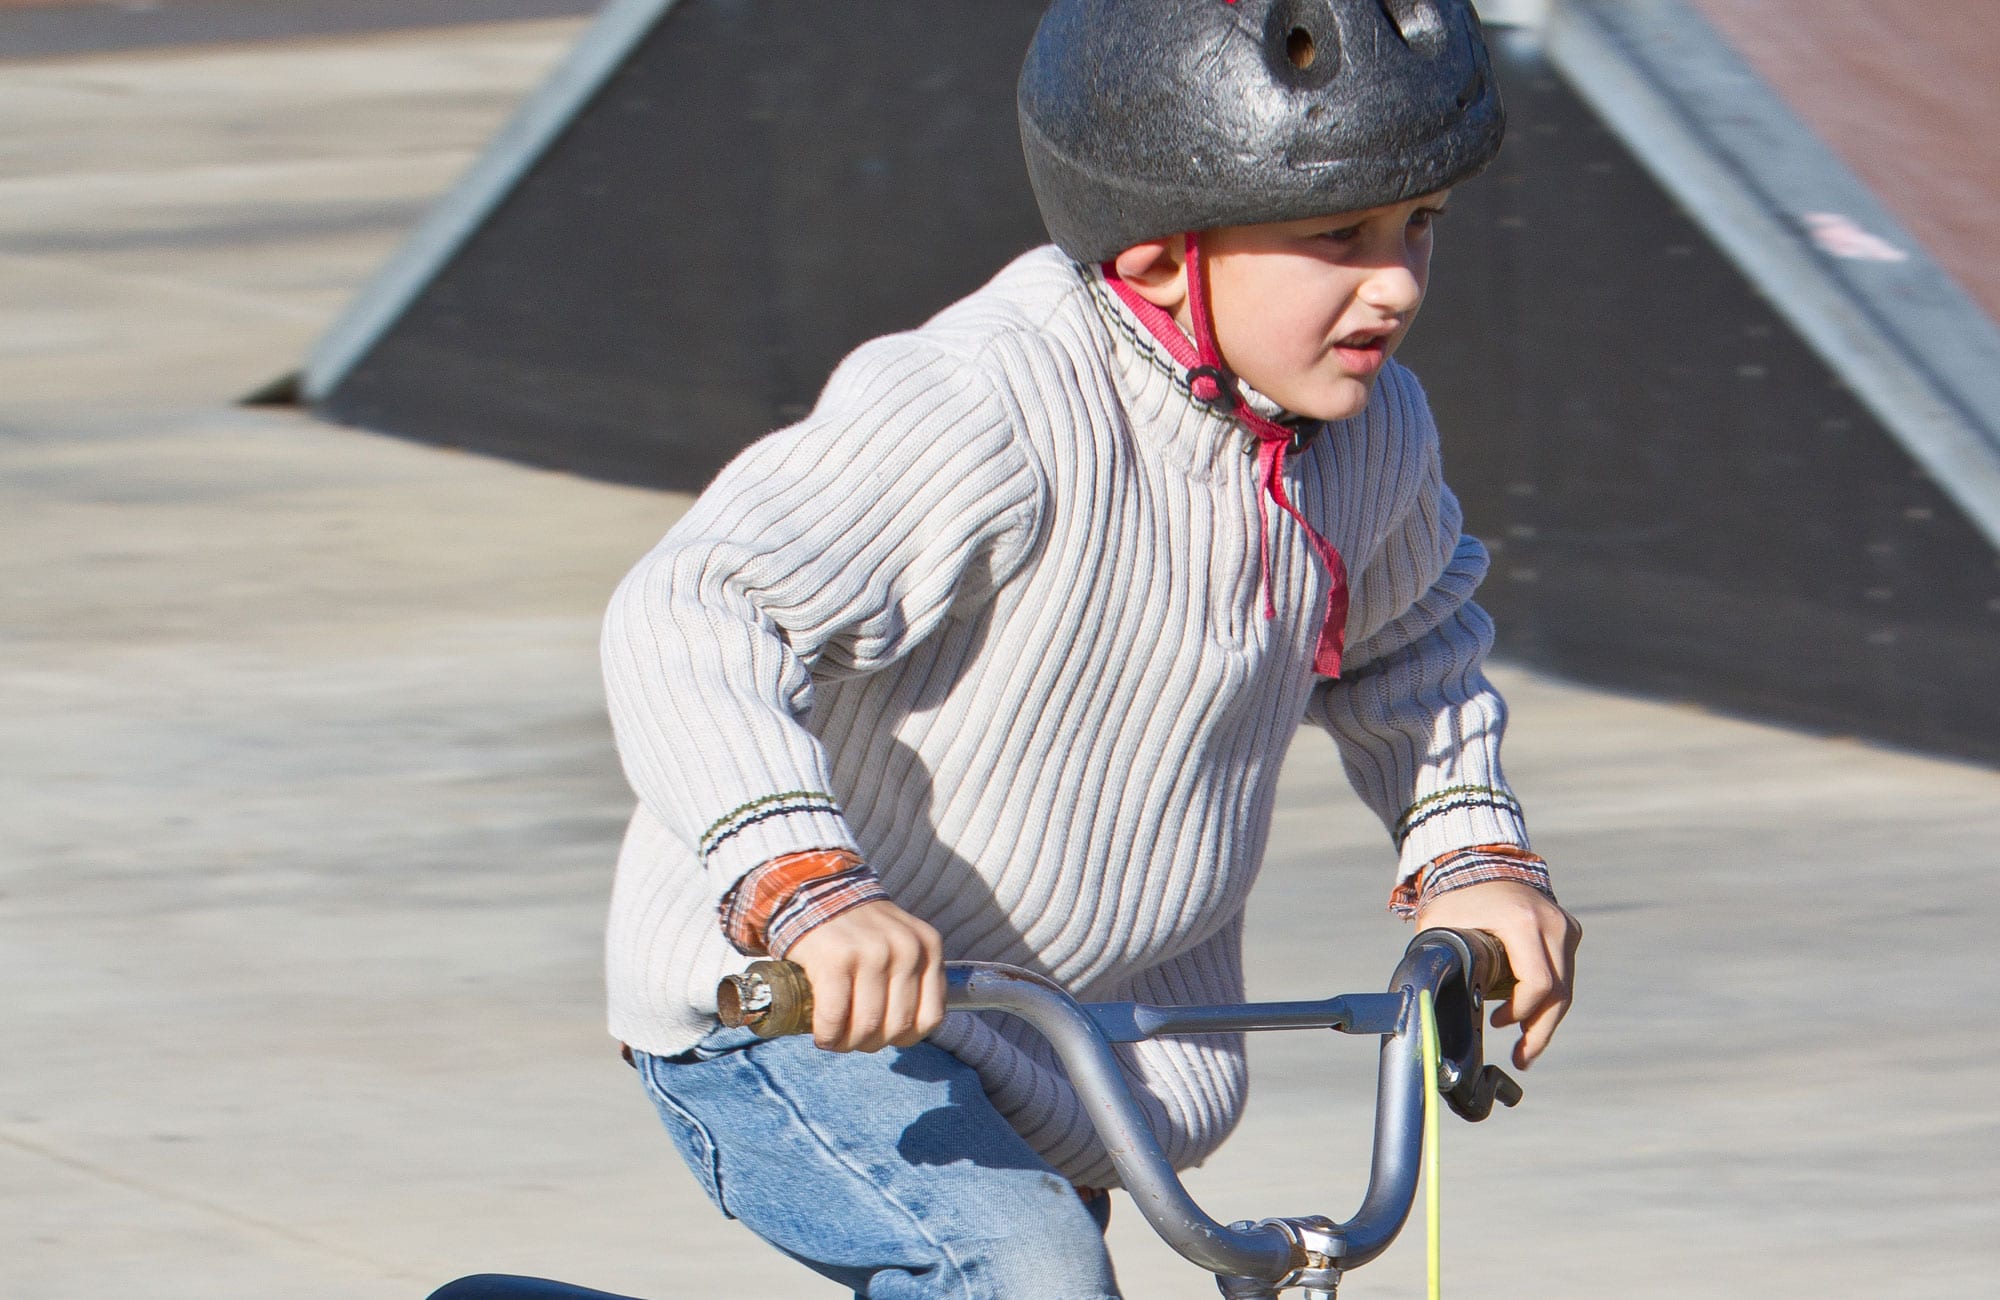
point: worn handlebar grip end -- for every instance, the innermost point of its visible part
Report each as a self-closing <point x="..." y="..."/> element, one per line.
<point x="771" y="999"/>
<point x="1491" y="973"/>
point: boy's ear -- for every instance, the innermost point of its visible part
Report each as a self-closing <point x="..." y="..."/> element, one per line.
<point x="1157" y="270"/>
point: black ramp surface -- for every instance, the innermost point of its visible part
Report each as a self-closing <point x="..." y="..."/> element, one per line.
<point x="761" y="186"/>
<point x="1680" y="495"/>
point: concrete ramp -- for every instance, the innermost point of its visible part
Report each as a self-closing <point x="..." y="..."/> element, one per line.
<point x="1733" y="432"/>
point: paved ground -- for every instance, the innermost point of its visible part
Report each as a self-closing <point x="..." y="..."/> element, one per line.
<point x="44" y="28"/>
<point x="308" y="809"/>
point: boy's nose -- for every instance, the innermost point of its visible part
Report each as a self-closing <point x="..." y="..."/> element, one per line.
<point x="1393" y="288"/>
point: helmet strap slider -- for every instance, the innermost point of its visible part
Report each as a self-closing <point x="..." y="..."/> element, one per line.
<point x="1208" y="383"/>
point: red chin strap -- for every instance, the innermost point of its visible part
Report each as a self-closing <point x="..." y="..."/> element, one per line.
<point x="1210" y="381"/>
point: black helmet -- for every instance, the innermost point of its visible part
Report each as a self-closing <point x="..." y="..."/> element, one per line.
<point x="1146" y="118"/>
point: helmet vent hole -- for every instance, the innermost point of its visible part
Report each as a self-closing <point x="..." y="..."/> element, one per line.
<point x="1300" y="42"/>
<point x="1299" y="48"/>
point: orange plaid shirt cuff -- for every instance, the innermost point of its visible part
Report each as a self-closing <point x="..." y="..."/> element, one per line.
<point x="1474" y="866"/>
<point x="773" y="907"/>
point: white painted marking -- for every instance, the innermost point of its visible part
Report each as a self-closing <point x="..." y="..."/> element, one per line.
<point x="1841" y="237"/>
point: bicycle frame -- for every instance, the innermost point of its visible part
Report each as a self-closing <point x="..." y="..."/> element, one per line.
<point x="1251" y="1259"/>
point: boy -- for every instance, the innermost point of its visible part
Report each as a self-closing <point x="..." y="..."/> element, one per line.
<point x="995" y="656"/>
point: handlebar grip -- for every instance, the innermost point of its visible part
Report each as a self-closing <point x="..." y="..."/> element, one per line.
<point x="771" y="999"/>
<point x="1492" y="975"/>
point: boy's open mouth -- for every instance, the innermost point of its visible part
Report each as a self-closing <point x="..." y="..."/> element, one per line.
<point x="1363" y="352"/>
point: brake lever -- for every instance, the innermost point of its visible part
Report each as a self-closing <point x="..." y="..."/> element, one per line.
<point x="1472" y="1097"/>
<point x="1469" y="1085"/>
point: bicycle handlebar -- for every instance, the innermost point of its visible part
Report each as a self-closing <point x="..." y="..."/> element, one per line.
<point x="1460" y="968"/>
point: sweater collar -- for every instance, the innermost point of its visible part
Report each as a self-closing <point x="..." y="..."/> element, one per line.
<point x="1228" y="417"/>
<point x="1200" y="435"/>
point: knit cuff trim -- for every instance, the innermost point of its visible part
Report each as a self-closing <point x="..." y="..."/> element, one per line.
<point x="742" y="817"/>
<point x="1451" y="799"/>
<point x="1472" y="866"/>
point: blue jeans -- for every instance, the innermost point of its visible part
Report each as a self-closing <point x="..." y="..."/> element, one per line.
<point x="889" y="1172"/>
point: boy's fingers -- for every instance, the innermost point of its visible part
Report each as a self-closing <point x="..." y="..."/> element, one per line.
<point x="1539" y="1017"/>
<point x="1536" y="1033"/>
<point x="1534" y="984"/>
<point x="927" y="990"/>
<point x="930" y="1008"/>
<point x="868" y="1012"/>
<point x="876" y="978"/>
<point x="1541" y="941"/>
<point x="1572" y="940"/>
<point x="897" y="1024"/>
<point x="1539" y="1029"/>
<point x="905" y="994"/>
<point x="831" y="999"/>
<point x="1536" y="980"/>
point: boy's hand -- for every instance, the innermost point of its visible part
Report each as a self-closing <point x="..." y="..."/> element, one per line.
<point x="877" y="978"/>
<point x="1541" y="941"/>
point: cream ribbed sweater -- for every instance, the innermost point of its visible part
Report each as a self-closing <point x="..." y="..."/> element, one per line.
<point x="990" y="616"/>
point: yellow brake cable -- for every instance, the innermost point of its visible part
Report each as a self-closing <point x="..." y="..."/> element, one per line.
<point x="1433" y="1234"/>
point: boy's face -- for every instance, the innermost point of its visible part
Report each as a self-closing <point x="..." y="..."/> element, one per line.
<point x="1307" y="312"/>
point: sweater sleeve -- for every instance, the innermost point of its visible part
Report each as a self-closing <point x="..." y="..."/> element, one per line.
<point x="1417" y="723"/>
<point x="830" y="548"/>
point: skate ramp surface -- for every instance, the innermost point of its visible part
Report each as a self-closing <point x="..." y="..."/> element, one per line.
<point x="1726" y="419"/>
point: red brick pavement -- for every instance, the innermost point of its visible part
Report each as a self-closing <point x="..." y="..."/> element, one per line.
<point x="1907" y="94"/>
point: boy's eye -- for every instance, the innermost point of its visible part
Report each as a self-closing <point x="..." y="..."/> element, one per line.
<point x="1344" y="235"/>
<point x="1423" y="218"/>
